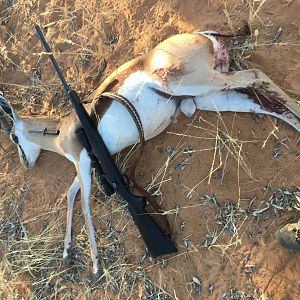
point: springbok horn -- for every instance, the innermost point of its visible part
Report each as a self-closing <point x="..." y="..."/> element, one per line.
<point x="6" y="110"/>
<point x="6" y="107"/>
<point x="6" y="126"/>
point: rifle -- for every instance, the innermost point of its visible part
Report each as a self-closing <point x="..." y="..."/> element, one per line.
<point x="156" y="241"/>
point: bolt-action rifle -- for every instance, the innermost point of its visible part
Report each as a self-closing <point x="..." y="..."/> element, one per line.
<point x="156" y="241"/>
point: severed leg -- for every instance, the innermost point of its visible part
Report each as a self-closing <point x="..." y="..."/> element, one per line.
<point x="263" y="85"/>
<point x="71" y="195"/>
<point x="233" y="101"/>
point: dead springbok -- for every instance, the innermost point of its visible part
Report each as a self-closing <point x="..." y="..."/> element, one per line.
<point x="183" y="73"/>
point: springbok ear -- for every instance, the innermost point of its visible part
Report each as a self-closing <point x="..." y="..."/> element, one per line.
<point x="7" y="108"/>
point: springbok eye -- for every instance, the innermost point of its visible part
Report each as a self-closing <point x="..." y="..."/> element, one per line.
<point x="14" y="138"/>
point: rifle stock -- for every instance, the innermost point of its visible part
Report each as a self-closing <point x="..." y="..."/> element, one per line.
<point x="156" y="241"/>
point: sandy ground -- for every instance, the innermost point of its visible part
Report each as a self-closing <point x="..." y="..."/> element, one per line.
<point x="248" y="264"/>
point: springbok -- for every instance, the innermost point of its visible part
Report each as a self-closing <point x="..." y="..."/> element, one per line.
<point x="181" y="74"/>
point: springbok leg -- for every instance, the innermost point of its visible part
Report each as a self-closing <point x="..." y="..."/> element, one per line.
<point x="71" y="195"/>
<point x="234" y="101"/>
<point x="84" y="173"/>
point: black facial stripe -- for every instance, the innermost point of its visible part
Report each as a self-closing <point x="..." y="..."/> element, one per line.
<point x="15" y="139"/>
<point x="23" y="153"/>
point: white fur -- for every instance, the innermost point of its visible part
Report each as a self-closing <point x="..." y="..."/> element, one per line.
<point x="31" y="150"/>
<point x="227" y="101"/>
<point x="84" y="171"/>
<point x="188" y="107"/>
<point x="117" y="127"/>
<point x="72" y="192"/>
<point x="70" y="157"/>
<point x="236" y="102"/>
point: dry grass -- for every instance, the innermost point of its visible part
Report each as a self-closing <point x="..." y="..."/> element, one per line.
<point x="32" y="265"/>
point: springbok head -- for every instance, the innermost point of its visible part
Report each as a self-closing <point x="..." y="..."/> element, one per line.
<point x="14" y="126"/>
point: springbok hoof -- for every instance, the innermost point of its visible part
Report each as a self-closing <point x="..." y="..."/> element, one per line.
<point x="95" y="270"/>
<point x="288" y="236"/>
<point x="68" y="256"/>
<point x="95" y="265"/>
<point x="65" y="254"/>
<point x="67" y="260"/>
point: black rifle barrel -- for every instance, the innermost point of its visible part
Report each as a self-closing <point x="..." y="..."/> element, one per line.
<point x="41" y="37"/>
<point x="156" y="241"/>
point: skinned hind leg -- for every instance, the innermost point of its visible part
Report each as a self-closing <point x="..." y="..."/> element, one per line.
<point x="233" y="101"/>
<point x="71" y="195"/>
<point x="253" y="80"/>
<point x="262" y="84"/>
